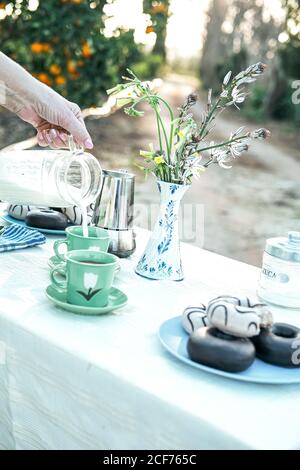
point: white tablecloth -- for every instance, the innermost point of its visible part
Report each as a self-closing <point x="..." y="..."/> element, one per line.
<point x="75" y="382"/>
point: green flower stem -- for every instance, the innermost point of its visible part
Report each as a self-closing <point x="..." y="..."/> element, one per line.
<point x="158" y="117"/>
<point x="165" y="136"/>
<point x="223" y="144"/>
<point x="159" y="133"/>
<point x="172" y="120"/>
<point x="209" y="118"/>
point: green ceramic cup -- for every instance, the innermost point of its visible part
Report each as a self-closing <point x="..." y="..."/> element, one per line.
<point x="98" y="239"/>
<point x="89" y="276"/>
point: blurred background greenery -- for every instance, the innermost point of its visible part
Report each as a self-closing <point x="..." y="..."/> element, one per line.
<point x="82" y="47"/>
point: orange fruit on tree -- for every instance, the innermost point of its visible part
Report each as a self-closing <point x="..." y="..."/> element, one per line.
<point x="46" y="48"/>
<point x="160" y="8"/>
<point x="43" y="77"/>
<point x="71" y="66"/>
<point x="55" y="69"/>
<point x="86" y="50"/>
<point x="150" y="29"/>
<point x="36" y="47"/>
<point x="60" y="80"/>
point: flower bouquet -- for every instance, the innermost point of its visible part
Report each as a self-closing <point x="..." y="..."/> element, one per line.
<point x="183" y="151"/>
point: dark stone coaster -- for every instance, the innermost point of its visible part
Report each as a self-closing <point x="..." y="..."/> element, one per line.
<point x="213" y="348"/>
<point x="278" y="345"/>
<point x="46" y="218"/>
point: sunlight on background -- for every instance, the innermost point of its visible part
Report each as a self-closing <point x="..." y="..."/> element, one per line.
<point x="275" y="9"/>
<point x="185" y="28"/>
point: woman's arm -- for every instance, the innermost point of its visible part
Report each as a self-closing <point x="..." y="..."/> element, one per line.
<point x="52" y="115"/>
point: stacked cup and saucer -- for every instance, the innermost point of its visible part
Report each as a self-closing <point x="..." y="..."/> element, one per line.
<point x="82" y="278"/>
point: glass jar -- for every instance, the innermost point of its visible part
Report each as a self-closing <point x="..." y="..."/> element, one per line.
<point x="53" y="178"/>
<point x="280" y="275"/>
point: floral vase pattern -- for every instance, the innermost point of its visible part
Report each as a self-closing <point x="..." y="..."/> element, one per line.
<point x="161" y="258"/>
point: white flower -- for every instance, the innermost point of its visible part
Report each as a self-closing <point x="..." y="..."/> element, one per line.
<point x="193" y="167"/>
<point x="241" y="81"/>
<point x="223" y="156"/>
<point x="236" y="97"/>
<point x="224" y="94"/>
<point x="209" y="96"/>
<point x="237" y="132"/>
<point x="227" y="78"/>
<point x="252" y="71"/>
<point x="90" y="280"/>
<point x="260" y="134"/>
<point x="238" y="148"/>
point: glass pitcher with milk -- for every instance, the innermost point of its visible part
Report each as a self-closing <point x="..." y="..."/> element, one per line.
<point x="53" y="178"/>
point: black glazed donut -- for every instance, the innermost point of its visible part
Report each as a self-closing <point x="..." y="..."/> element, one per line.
<point x="278" y="344"/>
<point x="213" y="348"/>
<point x="46" y="218"/>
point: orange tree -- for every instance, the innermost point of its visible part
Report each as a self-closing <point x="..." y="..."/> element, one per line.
<point x="62" y="43"/>
<point x="159" y="14"/>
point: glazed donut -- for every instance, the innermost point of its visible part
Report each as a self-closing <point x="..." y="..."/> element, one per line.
<point x="242" y="300"/>
<point x="46" y="218"/>
<point x="74" y="214"/>
<point x="278" y="345"/>
<point x="213" y="348"/>
<point x="233" y="319"/>
<point x="19" y="212"/>
<point x="194" y="318"/>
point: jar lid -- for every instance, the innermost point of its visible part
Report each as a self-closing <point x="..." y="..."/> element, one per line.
<point x="286" y="248"/>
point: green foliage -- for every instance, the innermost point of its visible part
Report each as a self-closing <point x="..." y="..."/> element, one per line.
<point x="62" y="44"/>
<point x="254" y="108"/>
<point x="285" y="108"/>
<point x="149" y="67"/>
<point x="290" y="58"/>
<point x="236" y="61"/>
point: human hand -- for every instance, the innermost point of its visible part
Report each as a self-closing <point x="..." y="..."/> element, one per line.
<point x="55" y="118"/>
<point x="52" y="115"/>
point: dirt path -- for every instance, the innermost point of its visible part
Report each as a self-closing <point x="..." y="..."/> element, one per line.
<point x="257" y="199"/>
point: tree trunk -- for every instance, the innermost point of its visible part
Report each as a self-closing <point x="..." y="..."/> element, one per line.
<point x="214" y="50"/>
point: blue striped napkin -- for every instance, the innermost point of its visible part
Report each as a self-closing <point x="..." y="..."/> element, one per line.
<point x="16" y="237"/>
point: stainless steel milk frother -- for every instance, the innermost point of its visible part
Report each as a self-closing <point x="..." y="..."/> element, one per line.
<point x="114" y="209"/>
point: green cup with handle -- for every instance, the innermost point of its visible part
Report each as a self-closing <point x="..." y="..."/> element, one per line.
<point x="97" y="239"/>
<point x="88" y="274"/>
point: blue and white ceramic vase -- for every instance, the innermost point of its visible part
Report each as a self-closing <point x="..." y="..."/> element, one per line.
<point x="161" y="258"/>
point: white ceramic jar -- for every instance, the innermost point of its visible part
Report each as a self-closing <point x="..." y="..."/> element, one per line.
<point x="280" y="276"/>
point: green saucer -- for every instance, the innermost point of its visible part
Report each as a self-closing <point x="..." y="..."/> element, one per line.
<point x="116" y="300"/>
